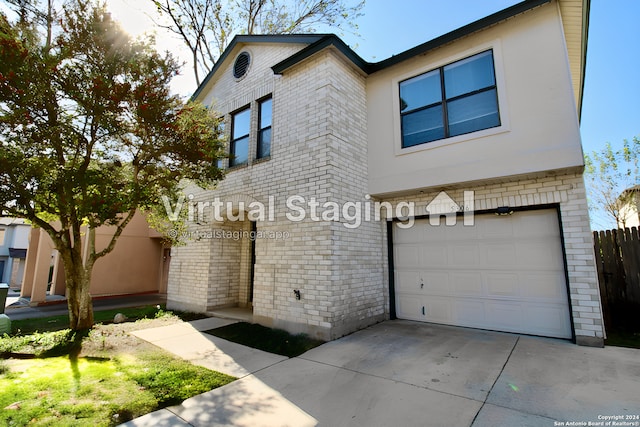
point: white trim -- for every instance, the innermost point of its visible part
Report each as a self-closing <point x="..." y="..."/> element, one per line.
<point x="498" y="61"/>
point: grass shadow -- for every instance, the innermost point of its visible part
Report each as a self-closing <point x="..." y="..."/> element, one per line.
<point x="270" y="340"/>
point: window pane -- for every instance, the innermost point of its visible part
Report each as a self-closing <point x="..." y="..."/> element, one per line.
<point x="239" y="152"/>
<point x="422" y="126"/>
<point x="420" y="91"/>
<point x="469" y="75"/>
<point x="265" y="113"/>
<point x="472" y="113"/>
<point x="241" y="122"/>
<point x="264" y="143"/>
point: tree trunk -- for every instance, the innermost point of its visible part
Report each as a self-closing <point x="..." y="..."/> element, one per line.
<point x="78" y="281"/>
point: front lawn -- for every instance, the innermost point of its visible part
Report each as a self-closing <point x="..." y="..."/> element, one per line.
<point x="101" y="379"/>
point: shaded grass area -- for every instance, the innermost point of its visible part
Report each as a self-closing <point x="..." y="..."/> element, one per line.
<point x="60" y="322"/>
<point x="101" y="377"/>
<point x="271" y="340"/>
<point x="66" y="391"/>
<point x="623" y="339"/>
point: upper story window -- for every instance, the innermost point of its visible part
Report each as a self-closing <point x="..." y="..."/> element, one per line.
<point x="264" y="129"/>
<point x="456" y="99"/>
<point x="239" y="146"/>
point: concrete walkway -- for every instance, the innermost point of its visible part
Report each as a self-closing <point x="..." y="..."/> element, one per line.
<point x="401" y="373"/>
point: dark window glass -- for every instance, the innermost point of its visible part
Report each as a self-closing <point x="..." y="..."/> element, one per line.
<point x="420" y="91"/>
<point x="422" y="126"/>
<point x="239" y="147"/>
<point x="467" y="102"/>
<point x="468" y="114"/>
<point x="264" y="129"/>
<point x="469" y="75"/>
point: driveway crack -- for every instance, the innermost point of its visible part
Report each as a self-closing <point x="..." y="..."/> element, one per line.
<point x="496" y="380"/>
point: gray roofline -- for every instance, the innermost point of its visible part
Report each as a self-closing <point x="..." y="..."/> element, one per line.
<point x="318" y="42"/>
<point x="370" y="68"/>
<point x="586" y="13"/>
<point x="326" y="41"/>
<point x="265" y="38"/>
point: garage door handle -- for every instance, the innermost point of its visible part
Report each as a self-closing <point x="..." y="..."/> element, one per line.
<point x="423" y="310"/>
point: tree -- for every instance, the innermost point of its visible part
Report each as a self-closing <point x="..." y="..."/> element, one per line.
<point x="609" y="172"/>
<point x="90" y="134"/>
<point x="206" y="26"/>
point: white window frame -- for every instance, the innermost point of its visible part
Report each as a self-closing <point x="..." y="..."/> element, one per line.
<point x="503" y="107"/>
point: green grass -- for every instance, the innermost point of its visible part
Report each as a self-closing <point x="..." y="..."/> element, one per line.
<point x="271" y="340"/>
<point x="623" y="339"/>
<point x="56" y="323"/>
<point x="39" y="344"/>
<point x="61" y="391"/>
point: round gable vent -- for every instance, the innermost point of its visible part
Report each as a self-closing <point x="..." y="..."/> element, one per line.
<point x="242" y="65"/>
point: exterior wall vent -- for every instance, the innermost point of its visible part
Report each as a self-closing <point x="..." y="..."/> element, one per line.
<point x="241" y="65"/>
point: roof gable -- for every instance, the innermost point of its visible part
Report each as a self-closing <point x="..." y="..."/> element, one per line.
<point x="575" y="17"/>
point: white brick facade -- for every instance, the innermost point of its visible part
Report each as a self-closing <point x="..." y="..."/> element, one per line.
<point x="320" y="150"/>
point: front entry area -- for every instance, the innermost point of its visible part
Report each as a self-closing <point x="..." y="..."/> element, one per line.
<point x="232" y="265"/>
<point x="504" y="273"/>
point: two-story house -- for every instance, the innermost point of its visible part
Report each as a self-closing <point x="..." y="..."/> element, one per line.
<point x="443" y="184"/>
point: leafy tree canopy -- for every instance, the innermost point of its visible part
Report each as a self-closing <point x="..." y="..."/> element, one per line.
<point x="207" y="26"/>
<point x="609" y="173"/>
<point x="90" y="133"/>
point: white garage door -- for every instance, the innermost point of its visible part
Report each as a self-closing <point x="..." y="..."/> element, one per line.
<point x="505" y="273"/>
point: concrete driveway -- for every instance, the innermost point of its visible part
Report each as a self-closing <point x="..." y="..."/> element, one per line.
<point x="402" y="373"/>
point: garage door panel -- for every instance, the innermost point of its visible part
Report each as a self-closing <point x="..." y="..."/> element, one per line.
<point x="499" y="255"/>
<point x="406" y="256"/>
<point x="550" y="320"/>
<point x="456" y="233"/>
<point x="539" y="254"/>
<point x="544" y="285"/>
<point x="467" y="284"/>
<point x="495" y="227"/>
<point x="503" y="285"/>
<point x="468" y="311"/>
<point x="407" y="281"/>
<point x="536" y="224"/>
<point x="463" y="254"/>
<point x="438" y="309"/>
<point x="505" y="273"/>
<point x="435" y="256"/>
<point x="506" y="316"/>
<point x="436" y="283"/>
<point x="407" y="235"/>
<point x="410" y="307"/>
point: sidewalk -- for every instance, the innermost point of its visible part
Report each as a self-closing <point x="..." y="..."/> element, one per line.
<point x="18" y="308"/>
<point x="402" y="373"/>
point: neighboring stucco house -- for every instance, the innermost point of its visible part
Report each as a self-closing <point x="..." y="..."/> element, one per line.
<point x="138" y="264"/>
<point x="342" y="169"/>
<point x="630" y="210"/>
<point x="14" y="240"/>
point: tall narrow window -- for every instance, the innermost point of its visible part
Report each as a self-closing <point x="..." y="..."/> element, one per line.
<point x="264" y="129"/>
<point x="452" y="100"/>
<point x="239" y="147"/>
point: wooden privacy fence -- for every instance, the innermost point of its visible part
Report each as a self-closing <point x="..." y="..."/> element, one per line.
<point x="618" y="260"/>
